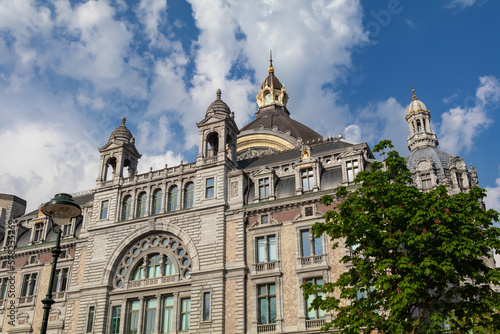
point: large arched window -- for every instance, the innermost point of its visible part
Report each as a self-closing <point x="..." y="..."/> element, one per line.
<point x="172" y="198"/>
<point x="156" y="256"/>
<point x="126" y="207"/>
<point x="141" y="205"/>
<point x="157" y="198"/>
<point x="189" y="195"/>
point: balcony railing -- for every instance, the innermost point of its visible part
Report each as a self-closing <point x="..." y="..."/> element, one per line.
<point x="266" y="266"/>
<point x="315" y="323"/>
<point x="267" y="328"/>
<point x="314" y="259"/>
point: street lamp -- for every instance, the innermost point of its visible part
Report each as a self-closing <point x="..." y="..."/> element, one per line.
<point x="60" y="210"/>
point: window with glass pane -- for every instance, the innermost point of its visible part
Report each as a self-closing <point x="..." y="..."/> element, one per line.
<point x="38" y="232"/>
<point x="90" y="319"/>
<point x="206" y="306"/>
<point x="305" y="243"/>
<point x="172" y="198"/>
<point x="126" y="207"/>
<point x="168" y="311"/>
<point x="157" y="198"/>
<point x="266" y="249"/>
<point x="307" y="179"/>
<point x="267" y="303"/>
<point x="28" y="288"/>
<point x="189" y="195"/>
<point x="264" y="187"/>
<point x="352" y="169"/>
<point x="426" y="181"/>
<point x="154" y="266"/>
<point x="169" y="267"/>
<point x="115" y="319"/>
<point x="104" y="209"/>
<point x="3" y="292"/>
<point x="138" y="272"/>
<point x="314" y="313"/>
<point x="185" y="313"/>
<point x="210" y="188"/>
<point x="133" y="317"/>
<point x="66" y="230"/>
<point x="150" y="319"/>
<point x="60" y="280"/>
<point x="141" y="205"/>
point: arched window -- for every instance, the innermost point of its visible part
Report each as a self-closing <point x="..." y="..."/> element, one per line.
<point x="110" y="169"/>
<point x="172" y="198"/>
<point x="141" y="205"/>
<point x="138" y="272"/>
<point x="157" y="198"/>
<point x="169" y="267"/>
<point x="154" y="266"/>
<point x="189" y="195"/>
<point x="126" y="207"/>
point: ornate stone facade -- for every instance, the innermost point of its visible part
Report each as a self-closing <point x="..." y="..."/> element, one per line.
<point x="219" y="245"/>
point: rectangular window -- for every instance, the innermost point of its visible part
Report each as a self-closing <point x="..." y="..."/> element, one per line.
<point x="426" y="181"/>
<point x="133" y="317"/>
<point x="3" y="292"/>
<point x="168" y="311"/>
<point x="210" y="189"/>
<point x="104" y="209"/>
<point x="66" y="230"/>
<point x="206" y="306"/>
<point x="28" y="288"/>
<point x="266" y="249"/>
<point x="115" y="319"/>
<point x="264" y="219"/>
<point x="60" y="280"/>
<point x="264" y="188"/>
<point x="185" y="313"/>
<point x="314" y="313"/>
<point x="267" y="303"/>
<point x="307" y="179"/>
<point x="352" y="169"/>
<point x="309" y="244"/>
<point x="150" y="320"/>
<point x="38" y="232"/>
<point x="90" y="319"/>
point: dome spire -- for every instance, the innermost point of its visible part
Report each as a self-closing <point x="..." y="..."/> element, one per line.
<point x="414" y="96"/>
<point x="271" y="68"/>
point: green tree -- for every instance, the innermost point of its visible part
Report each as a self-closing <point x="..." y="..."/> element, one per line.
<point x="418" y="259"/>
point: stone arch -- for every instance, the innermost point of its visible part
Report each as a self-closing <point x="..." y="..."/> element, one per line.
<point x="141" y="232"/>
<point x="212" y="144"/>
<point x="109" y="172"/>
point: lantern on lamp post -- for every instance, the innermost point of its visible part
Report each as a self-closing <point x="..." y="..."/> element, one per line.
<point x="60" y="210"/>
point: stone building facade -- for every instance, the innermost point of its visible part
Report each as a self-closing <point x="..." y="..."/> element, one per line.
<point x="218" y="245"/>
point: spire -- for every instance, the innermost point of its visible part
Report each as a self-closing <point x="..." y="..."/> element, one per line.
<point x="123" y="120"/>
<point x="271" y="68"/>
<point x="414" y="96"/>
<point x="218" y="93"/>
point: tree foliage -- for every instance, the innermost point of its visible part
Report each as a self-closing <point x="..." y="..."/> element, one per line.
<point x="418" y="258"/>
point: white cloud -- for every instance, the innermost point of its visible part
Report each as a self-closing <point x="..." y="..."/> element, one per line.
<point x="460" y="125"/>
<point x="381" y="120"/>
<point x="150" y="13"/>
<point x="461" y="4"/>
<point x="159" y="161"/>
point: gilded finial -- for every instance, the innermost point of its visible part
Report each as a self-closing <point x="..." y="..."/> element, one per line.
<point x="219" y="93"/>
<point x="271" y="68"/>
<point x="414" y="96"/>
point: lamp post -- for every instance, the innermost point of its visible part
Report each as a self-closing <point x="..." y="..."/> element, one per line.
<point x="60" y="210"/>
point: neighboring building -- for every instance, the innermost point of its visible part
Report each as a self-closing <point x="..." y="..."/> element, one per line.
<point x="430" y="165"/>
<point x="219" y="245"/>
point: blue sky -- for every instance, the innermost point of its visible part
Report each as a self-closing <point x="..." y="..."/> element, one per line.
<point x="69" y="70"/>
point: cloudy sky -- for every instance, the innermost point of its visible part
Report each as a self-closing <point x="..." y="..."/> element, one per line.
<point x="69" y="70"/>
